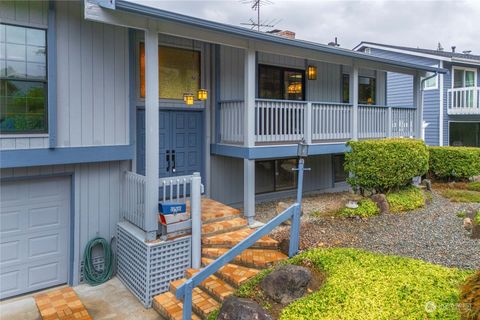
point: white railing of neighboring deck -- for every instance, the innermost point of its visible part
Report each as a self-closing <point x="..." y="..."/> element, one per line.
<point x="463" y="100"/>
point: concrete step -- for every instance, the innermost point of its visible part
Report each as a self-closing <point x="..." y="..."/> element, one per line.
<point x="252" y="258"/>
<point x="215" y="286"/>
<point x="170" y="307"/>
<point x="217" y="227"/>
<point x="230" y="239"/>
<point x="233" y="274"/>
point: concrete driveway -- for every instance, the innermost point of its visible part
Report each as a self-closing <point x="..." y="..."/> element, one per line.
<point x="111" y="300"/>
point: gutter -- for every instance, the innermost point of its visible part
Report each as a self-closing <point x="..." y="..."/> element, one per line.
<point x="136" y="8"/>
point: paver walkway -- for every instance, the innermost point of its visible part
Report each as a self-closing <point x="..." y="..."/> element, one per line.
<point x="222" y="229"/>
<point x="61" y="304"/>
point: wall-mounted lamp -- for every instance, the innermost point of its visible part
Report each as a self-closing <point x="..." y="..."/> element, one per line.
<point x="312" y="73"/>
<point x="188" y="98"/>
<point x="202" y="94"/>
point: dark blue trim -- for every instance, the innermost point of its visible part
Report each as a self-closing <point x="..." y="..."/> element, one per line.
<point x="262" y="36"/>
<point x="273" y="152"/>
<point x="52" y="76"/>
<point x="68" y="155"/>
<point x="217" y="94"/>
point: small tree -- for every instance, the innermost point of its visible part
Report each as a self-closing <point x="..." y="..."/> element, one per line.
<point x="382" y="165"/>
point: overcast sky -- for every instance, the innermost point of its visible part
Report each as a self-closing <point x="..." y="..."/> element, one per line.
<point x="409" y="23"/>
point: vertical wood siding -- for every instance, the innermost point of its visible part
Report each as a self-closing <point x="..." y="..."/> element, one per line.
<point x="97" y="196"/>
<point x="328" y="86"/>
<point x="231" y="73"/>
<point x="92" y="77"/>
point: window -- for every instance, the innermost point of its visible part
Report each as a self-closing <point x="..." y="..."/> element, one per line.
<point x="178" y="72"/>
<point x="366" y="90"/>
<point x="23" y="80"/>
<point x="281" y="83"/>
<point x="431" y="83"/>
<point x="338" y="168"/>
<point x="465" y="134"/>
<point x="275" y="175"/>
<point x="463" y="78"/>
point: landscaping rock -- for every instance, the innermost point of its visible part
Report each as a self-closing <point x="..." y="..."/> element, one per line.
<point x="242" y="309"/>
<point x="284" y="246"/>
<point x="467" y="224"/>
<point x="287" y="283"/>
<point x="427" y="183"/>
<point x="475" y="179"/>
<point x="381" y="201"/>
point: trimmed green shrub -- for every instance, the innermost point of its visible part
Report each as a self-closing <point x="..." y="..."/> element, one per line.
<point x="454" y="162"/>
<point x="406" y="199"/>
<point x="382" y="165"/>
<point x="366" y="208"/>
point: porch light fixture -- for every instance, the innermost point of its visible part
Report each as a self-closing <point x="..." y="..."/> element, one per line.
<point x="188" y="98"/>
<point x="312" y="73"/>
<point x="202" y="94"/>
<point x="302" y="149"/>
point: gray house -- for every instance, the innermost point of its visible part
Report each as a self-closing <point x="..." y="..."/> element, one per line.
<point x="99" y="98"/>
<point x="451" y="101"/>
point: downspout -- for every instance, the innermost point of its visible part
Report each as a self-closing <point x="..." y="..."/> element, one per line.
<point x="422" y="90"/>
<point x="441" y="98"/>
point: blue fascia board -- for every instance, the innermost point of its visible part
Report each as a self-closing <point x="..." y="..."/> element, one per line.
<point x="272" y="152"/>
<point x="136" y="8"/>
<point x="64" y="155"/>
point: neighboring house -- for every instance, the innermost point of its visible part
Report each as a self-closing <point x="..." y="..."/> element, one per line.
<point x="451" y="101"/>
<point x="90" y="93"/>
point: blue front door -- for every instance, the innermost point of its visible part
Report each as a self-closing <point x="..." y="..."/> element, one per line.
<point x="181" y="141"/>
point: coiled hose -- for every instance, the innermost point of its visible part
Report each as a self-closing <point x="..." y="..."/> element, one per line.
<point x="91" y="275"/>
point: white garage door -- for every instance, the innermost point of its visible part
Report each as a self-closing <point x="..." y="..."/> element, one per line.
<point x="34" y="234"/>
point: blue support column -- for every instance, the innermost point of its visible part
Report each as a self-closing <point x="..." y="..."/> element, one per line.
<point x="295" y="228"/>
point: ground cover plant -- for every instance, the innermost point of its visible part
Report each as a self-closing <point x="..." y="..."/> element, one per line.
<point x="459" y="195"/>
<point x="406" y="199"/>
<point x="366" y="208"/>
<point x="385" y="164"/>
<point x="364" y="285"/>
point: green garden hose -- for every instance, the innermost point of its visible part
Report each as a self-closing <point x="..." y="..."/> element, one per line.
<point x="91" y="275"/>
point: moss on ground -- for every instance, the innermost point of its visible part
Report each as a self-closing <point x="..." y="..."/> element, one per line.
<point x="364" y="285"/>
<point x="456" y="195"/>
<point x="406" y="199"/>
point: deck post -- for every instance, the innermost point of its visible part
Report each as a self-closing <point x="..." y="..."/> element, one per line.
<point x="354" y="100"/>
<point x="418" y="103"/>
<point x="249" y="135"/>
<point x="151" y="133"/>
<point x="308" y="123"/>
<point x="196" y="216"/>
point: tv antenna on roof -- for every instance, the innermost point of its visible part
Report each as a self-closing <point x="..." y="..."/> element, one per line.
<point x="256" y="5"/>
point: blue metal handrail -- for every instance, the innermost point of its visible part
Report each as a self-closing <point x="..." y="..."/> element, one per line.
<point x="184" y="292"/>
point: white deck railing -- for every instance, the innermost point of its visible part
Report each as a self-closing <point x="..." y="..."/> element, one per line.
<point x="279" y="120"/>
<point x="372" y="121"/>
<point x="231" y="121"/>
<point x="463" y="100"/>
<point x="331" y="121"/>
<point x="284" y="121"/>
<point x="403" y="122"/>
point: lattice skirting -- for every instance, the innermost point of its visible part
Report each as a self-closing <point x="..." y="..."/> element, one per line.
<point x="148" y="268"/>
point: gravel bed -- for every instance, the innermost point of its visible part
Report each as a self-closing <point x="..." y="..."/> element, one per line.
<point x="434" y="233"/>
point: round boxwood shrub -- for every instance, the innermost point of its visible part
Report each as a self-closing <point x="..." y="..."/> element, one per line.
<point x="454" y="163"/>
<point x="381" y="165"/>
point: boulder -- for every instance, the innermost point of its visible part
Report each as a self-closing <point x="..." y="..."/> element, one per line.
<point x="234" y="308"/>
<point x="287" y="283"/>
<point x="467" y="224"/>
<point x="381" y="201"/>
<point x="475" y="179"/>
<point x="427" y="183"/>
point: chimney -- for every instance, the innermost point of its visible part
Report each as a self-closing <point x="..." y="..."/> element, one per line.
<point x="440" y="48"/>
<point x="453" y="49"/>
<point x="283" y="33"/>
<point x="334" y="44"/>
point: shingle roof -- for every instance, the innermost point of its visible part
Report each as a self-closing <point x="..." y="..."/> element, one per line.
<point x="447" y="54"/>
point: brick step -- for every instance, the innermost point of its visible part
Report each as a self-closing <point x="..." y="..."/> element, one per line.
<point x="233" y="274"/>
<point x="252" y="258"/>
<point x="215" y="211"/>
<point x="215" y="286"/>
<point x="231" y="224"/>
<point x="170" y="307"/>
<point x="202" y="303"/>
<point x="230" y="239"/>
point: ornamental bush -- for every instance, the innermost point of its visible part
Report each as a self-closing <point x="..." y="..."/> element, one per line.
<point x="382" y="165"/>
<point x="454" y="163"/>
<point x="409" y="198"/>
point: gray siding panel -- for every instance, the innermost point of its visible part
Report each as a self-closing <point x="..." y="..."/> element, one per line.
<point x="97" y="197"/>
<point x="92" y="73"/>
<point x="231" y="73"/>
<point x="328" y="86"/>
